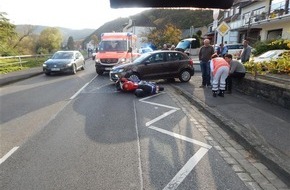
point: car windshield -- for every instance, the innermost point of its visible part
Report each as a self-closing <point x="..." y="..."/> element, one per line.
<point x="116" y="45"/>
<point x="141" y="58"/>
<point x="63" y="55"/>
<point x="184" y="44"/>
<point x="268" y="54"/>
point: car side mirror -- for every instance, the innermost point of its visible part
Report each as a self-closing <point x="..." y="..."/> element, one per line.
<point x="130" y="50"/>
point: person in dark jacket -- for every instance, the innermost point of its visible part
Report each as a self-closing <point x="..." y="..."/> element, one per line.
<point x="205" y="53"/>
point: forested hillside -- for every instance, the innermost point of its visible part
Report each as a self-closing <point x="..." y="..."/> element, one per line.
<point x="182" y="18"/>
<point x="66" y="32"/>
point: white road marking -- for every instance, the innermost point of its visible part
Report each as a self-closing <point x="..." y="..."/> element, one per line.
<point x="153" y="103"/>
<point x="186" y="169"/>
<point x="139" y="149"/>
<point x="160" y="117"/>
<point x="193" y="161"/>
<point x="77" y="93"/>
<point x="181" y="137"/>
<point x="8" y="154"/>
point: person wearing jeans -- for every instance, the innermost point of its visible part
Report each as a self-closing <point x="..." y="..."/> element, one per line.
<point x="205" y="53"/>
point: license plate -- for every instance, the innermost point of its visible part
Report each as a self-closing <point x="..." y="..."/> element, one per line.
<point x="108" y="68"/>
<point x="55" y="69"/>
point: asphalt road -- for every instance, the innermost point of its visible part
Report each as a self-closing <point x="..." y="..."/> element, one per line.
<point x="78" y="132"/>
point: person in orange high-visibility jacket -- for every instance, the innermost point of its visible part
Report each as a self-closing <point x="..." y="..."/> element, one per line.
<point x="220" y="70"/>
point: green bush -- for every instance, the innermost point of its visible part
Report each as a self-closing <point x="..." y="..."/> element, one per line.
<point x="279" y="66"/>
<point x="261" y="47"/>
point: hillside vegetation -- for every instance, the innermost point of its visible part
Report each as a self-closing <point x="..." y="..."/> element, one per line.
<point x="181" y="18"/>
<point x="66" y="32"/>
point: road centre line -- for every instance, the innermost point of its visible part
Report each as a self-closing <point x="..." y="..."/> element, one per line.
<point x="8" y="154"/>
<point x="160" y="117"/>
<point x="181" y="137"/>
<point x="186" y="169"/>
<point x="81" y="89"/>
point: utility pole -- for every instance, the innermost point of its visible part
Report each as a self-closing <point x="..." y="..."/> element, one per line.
<point x="215" y="23"/>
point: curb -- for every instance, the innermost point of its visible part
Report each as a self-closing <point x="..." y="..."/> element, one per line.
<point x="13" y="79"/>
<point x="272" y="159"/>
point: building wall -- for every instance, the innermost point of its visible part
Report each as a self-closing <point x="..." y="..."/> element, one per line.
<point x="255" y="6"/>
<point x="141" y="33"/>
<point x="273" y="26"/>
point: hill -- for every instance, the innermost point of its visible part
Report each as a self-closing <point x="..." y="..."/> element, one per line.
<point x="66" y="32"/>
<point x="182" y="18"/>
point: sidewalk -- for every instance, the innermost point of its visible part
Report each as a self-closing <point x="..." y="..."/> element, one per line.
<point x="19" y="75"/>
<point x="261" y="127"/>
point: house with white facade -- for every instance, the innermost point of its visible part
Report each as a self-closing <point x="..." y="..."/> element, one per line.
<point x="140" y="29"/>
<point x="256" y="20"/>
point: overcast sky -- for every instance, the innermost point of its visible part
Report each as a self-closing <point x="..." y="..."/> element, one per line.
<point x="63" y="13"/>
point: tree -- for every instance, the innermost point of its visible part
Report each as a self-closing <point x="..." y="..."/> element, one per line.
<point x="70" y="43"/>
<point x="50" y="40"/>
<point x="95" y="40"/>
<point x="169" y="35"/>
<point x="7" y="36"/>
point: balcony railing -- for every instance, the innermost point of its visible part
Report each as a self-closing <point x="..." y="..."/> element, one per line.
<point x="255" y="19"/>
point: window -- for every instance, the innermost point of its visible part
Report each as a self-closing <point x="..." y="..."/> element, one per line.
<point x="274" y="34"/>
<point x="277" y="5"/>
<point x="237" y="10"/>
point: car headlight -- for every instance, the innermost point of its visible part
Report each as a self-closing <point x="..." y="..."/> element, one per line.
<point x="123" y="60"/>
<point x="69" y="64"/>
<point x="97" y="60"/>
<point x="120" y="70"/>
<point x="44" y="64"/>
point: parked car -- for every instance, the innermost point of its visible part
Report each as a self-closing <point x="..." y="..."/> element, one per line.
<point x="144" y="50"/>
<point x="270" y="55"/>
<point x="234" y="49"/>
<point x="168" y="64"/>
<point x="64" y="62"/>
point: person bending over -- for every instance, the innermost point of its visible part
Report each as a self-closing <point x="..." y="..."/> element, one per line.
<point x="237" y="70"/>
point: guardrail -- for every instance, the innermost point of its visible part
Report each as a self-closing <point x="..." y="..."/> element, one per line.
<point x="21" y="59"/>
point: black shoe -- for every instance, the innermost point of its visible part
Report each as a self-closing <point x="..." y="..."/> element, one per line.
<point x="221" y="94"/>
<point x="214" y="94"/>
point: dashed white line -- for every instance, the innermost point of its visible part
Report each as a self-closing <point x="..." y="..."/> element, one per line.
<point x="8" y="154"/>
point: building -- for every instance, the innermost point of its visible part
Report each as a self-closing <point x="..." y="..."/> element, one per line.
<point x="256" y="21"/>
<point x="140" y="28"/>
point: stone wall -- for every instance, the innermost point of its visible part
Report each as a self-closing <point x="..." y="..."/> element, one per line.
<point x="273" y="89"/>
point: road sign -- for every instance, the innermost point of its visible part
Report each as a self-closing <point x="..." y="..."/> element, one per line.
<point x="223" y="28"/>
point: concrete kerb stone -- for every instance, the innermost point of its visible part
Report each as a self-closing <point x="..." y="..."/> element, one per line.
<point x="250" y="141"/>
<point x="12" y="79"/>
